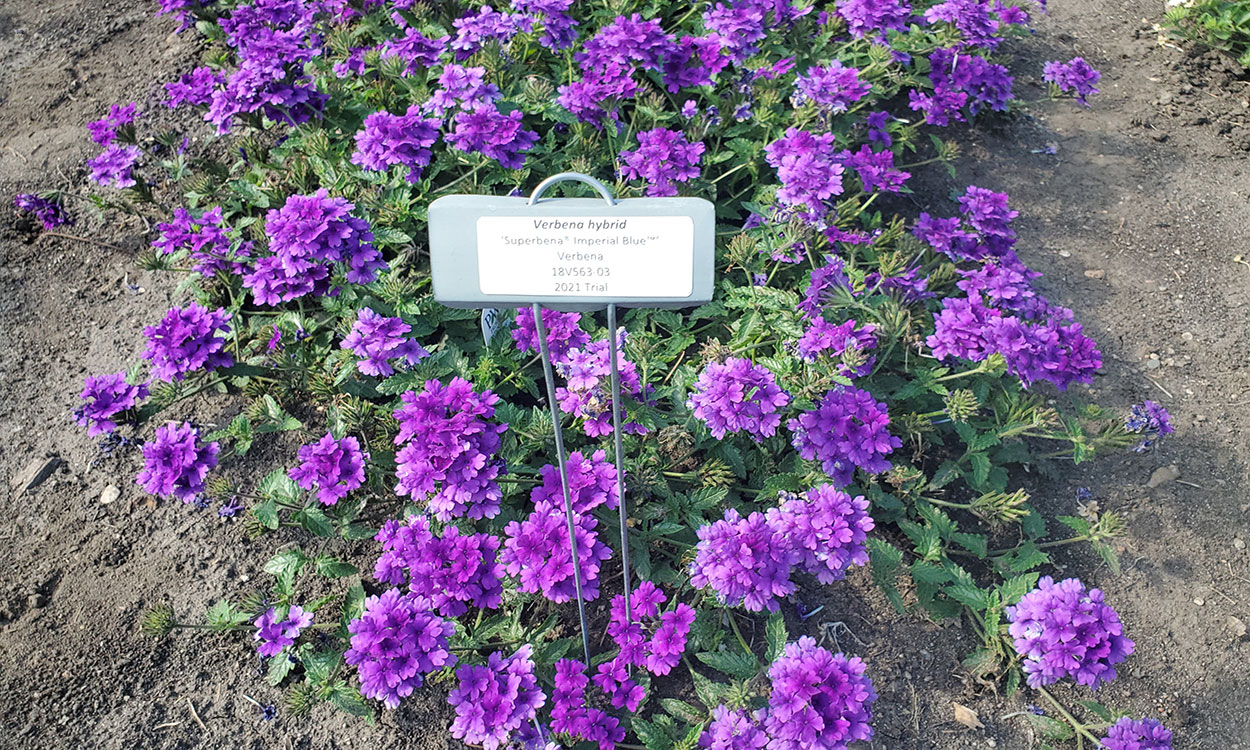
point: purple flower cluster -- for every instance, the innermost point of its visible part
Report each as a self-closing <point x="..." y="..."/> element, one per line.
<point x="823" y="337"/>
<point x="414" y="48"/>
<point x="808" y="168"/>
<point x="380" y="342"/>
<point x="494" y="701"/>
<point x="734" y="730"/>
<point x="744" y="560"/>
<point x="650" y="639"/>
<point x="1151" y="420"/>
<point x="175" y="462"/>
<point x="873" y="18"/>
<point x="395" y="643"/>
<point x="876" y="170"/>
<point x="307" y="236"/>
<point x="563" y="332"/>
<point x="536" y="551"/>
<point x="195" y="88"/>
<point x="334" y="467"/>
<point x="961" y="79"/>
<point x="105" y="131"/>
<point x="738" y="396"/>
<point x="848" y="428"/>
<point x="462" y="88"/>
<point x="571" y="712"/>
<point x="187" y="340"/>
<point x="592" y="482"/>
<point x="662" y="158"/>
<point x="389" y="139"/>
<point x="827" y="528"/>
<point x="273" y="40"/>
<point x="832" y="88"/>
<point x="1063" y="630"/>
<point x="1075" y="76"/>
<point x="50" y="212"/>
<point x="587" y="392"/>
<point x="484" y="129"/>
<point x="274" y="634"/>
<point x="553" y="17"/>
<point x="104" y="397"/>
<point x="819" y="700"/>
<point x="448" y="439"/>
<point x="204" y="240"/>
<point x="454" y="571"/>
<point x="113" y="166"/>
<point x="1137" y="734"/>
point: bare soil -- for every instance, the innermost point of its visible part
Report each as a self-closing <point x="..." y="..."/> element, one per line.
<point x="1139" y="220"/>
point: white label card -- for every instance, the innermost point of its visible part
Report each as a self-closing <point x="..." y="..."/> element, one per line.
<point x="592" y="256"/>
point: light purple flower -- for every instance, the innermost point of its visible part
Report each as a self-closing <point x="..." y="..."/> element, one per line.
<point x="848" y="428"/>
<point x="494" y="701"/>
<point x="187" y="340"/>
<point x="536" y="551"/>
<point x="662" y="158"/>
<point x="334" y="467"/>
<point x="1137" y="734"/>
<point x="104" y="397"/>
<point x="832" y="88"/>
<point x="819" y="700"/>
<point x="175" y="462"/>
<point x="395" y="643"/>
<point x="827" y="528"/>
<point x="274" y="634"/>
<point x="113" y="166"/>
<point x="745" y="561"/>
<point x="380" y="342"/>
<point x="738" y="396"/>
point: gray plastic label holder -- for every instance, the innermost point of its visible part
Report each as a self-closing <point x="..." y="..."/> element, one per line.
<point x="571" y="254"/>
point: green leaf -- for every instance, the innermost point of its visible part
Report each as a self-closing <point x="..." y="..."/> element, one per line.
<point x="223" y="616"/>
<point x="321" y="665"/>
<point x="286" y="563"/>
<point x="681" y="710"/>
<point x="968" y="595"/>
<point x="886" y="559"/>
<point x="1050" y="728"/>
<point x="313" y="520"/>
<point x="333" y="568"/>
<point x="651" y="736"/>
<point x="1014" y="588"/>
<point x="1098" y="710"/>
<point x="974" y="543"/>
<point x="279" y="667"/>
<point x="1079" y="525"/>
<point x="357" y="531"/>
<point x="347" y="698"/>
<point x="280" y="487"/>
<point x="1108" y="555"/>
<point x="709" y="692"/>
<point x="267" y="514"/>
<point x="733" y="663"/>
<point x="923" y="572"/>
<point x="776" y="635"/>
<point x="980" y="470"/>
<point x="1028" y="557"/>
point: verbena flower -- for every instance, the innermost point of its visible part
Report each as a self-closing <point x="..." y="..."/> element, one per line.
<point x="823" y="337"/>
<point x="494" y="701"/>
<point x="738" y="396"/>
<point x="876" y="170"/>
<point x="832" y="88"/>
<point x="308" y="237"/>
<point x="734" y="730"/>
<point x="389" y="139"/>
<point x="650" y="638"/>
<point x="591" y="482"/>
<point x="113" y="166"/>
<point x="1151" y="420"/>
<point x="552" y="16"/>
<point x="745" y="561"/>
<point x="570" y="712"/>
<point x="819" y="700"/>
<point x="205" y="241"/>
<point x="461" y="88"/>
<point x="380" y="343"/>
<point x="827" y="528"/>
<point x="105" y="131"/>
<point x="662" y="158"/>
<point x="448" y="440"/>
<point x="453" y="570"/>
<point x="394" y="644"/>
<point x="807" y="168"/>
<point x="486" y="130"/>
<point x="274" y="634"/>
<point x="195" y="88"/>
<point x="175" y="462"/>
<point x="186" y="340"/>
<point x="415" y="49"/>
<point x="563" y="332"/>
<point x="50" y="212"/>
<point x="872" y="18"/>
<point x="474" y="30"/>
<point x="739" y="26"/>
<point x="334" y="467"/>
<point x="1063" y="630"/>
<point x="1137" y="734"/>
<point x="104" y="397"/>
<point x="587" y="390"/>
<point x="847" y="429"/>
<point x="536" y="551"/>
<point x="1074" y="76"/>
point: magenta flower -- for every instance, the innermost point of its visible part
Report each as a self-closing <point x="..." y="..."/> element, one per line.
<point x="827" y="528"/>
<point x="734" y="730"/>
<point x="832" y="88"/>
<point x="847" y="429"/>
<point x="187" y="340"/>
<point x="453" y="571"/>
<point x="808" y="168"/>
<point x="745" y="561"/>
<point x="571" y="713"/>
<point x="536" y="551"/>
<point x="592" y="482"/>
<point x="380" y="343"/>
<point x="563" y="332"/>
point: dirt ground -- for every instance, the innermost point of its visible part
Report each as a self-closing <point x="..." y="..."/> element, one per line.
<point x="1139" y="220"/>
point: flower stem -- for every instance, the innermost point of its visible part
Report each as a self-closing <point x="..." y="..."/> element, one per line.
<point x="734" y="624"/>
<point x="1077" y="726"/>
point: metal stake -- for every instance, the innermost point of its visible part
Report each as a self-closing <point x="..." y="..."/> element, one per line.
<point x="620" y="466"/>
<point x="541" y="330"/>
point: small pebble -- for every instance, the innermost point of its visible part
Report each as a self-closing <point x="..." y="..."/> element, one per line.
<point x="1237" y="543"/>
<point x="1197" y="601"/>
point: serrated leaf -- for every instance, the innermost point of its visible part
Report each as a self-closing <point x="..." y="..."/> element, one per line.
<point x="348" y="700"/>
<point x="708" y="692"/>
<point x="357" y="531"/>
<point x="651" y="736"/>
<point x="923" y="572"/>
<point x="267" y="514"/>
<point x="1079" y="525"/>
<point x="681" y="710"/>
<point x="974" y="543"/>
<point x="1098" y="710"/>
<point x="980" y="470"/>
<point x="223" y="616"/>
<point x="776" y="636"/>
<point x="1050" y="728"/>
<point x="279" y="667"/>
<point x="278" y="486"/>
<point x="1108" y="555"/>
<point x="886" y="560"/>
<point x="334" y="568"/>
<point x="733" y="663"/>
<point x="313" y="520"/>
<point x="967" y="594"/>
<point x="286" y="562"/>
<point x="1013" y="589"/>
<point x="1028" y="557"/>
<point x="319" y="666"/>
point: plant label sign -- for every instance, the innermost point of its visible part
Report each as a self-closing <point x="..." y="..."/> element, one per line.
<point x="571" y="254"/>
